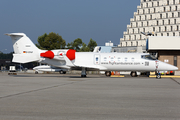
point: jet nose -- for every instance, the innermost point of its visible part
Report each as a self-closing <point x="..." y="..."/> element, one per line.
<point x="166" y="67"/>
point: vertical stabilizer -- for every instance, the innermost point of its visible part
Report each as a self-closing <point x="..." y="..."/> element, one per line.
<point x="24" y="49"/>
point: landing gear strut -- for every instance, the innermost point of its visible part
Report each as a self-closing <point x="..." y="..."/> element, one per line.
<point x="83" y="72"/>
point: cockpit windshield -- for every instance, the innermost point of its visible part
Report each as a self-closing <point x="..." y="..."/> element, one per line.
<point x="148" y="57"/>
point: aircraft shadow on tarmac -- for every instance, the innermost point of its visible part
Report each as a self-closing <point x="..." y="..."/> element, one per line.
<point x="59" y="76"/>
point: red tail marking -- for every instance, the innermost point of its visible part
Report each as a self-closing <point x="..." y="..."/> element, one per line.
<point x="48" y="54"/>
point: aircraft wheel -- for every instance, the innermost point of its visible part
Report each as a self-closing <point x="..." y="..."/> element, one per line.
<point x="36" y="72"/>
<point x="61" y="72"/>
<point x="83" y="75"/>
<point x="64" y="72"/>
<point x="108" y="73"/>
<point x="133" y="74"/>
<point x="158" y="76"/>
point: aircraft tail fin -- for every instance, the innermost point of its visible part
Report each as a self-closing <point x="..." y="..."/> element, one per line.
<point x="24" y="49"/>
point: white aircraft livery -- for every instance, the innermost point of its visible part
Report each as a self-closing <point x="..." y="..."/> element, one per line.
<point x="25" y="51"/>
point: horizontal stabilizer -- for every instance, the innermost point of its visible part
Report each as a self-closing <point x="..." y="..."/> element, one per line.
<point x="24" y="58"/>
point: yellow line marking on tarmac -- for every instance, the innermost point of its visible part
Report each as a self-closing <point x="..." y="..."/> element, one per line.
<point x="117" y="75"/>
<point x="166" y="76"/>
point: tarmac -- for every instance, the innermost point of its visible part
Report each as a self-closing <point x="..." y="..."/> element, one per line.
<point x="97" y="97"/>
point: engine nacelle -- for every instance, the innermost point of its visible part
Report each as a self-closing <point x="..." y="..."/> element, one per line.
<point x="59" y="54"/>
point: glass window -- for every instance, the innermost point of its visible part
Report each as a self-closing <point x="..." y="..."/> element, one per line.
<point x="149" y="57"/>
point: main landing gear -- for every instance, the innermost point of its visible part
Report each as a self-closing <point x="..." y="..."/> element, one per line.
<point x="133" y="74"/>
<point x="108" y="73"/>
<point x="83" y="72"/>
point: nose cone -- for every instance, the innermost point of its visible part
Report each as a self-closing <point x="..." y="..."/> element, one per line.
<point x="166" y="67"/>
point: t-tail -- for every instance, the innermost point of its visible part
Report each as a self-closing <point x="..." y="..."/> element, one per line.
<point x="24" y="49"/>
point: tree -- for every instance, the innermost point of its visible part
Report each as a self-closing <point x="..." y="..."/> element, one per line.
<point x="92" y="44"/>
<point x="84" y="48"/>
<point x="76" y="44"/>
<point x="51" y="41"/>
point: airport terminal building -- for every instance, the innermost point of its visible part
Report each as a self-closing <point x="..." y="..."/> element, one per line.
<point x="158" y="17"/>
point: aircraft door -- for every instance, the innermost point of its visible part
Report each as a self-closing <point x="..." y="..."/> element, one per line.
<point x="157" y="64"/>
<point x="96" y="59"/>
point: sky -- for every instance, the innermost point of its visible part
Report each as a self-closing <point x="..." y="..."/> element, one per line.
<point x="101" y="20"/>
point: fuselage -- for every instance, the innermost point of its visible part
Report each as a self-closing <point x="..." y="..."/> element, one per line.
<point x="121" y="61"/>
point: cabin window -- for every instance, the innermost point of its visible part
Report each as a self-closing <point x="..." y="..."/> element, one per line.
<point x="132" y="59"/>
<point x="125" y="59"/>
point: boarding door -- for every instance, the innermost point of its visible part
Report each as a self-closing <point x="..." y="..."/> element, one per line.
<point x="157" y="64"/>
<point x="97" y="59"/>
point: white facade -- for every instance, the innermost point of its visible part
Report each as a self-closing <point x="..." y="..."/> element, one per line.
<point x="160" y="17"/>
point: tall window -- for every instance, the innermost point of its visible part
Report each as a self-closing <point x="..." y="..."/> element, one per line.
<point x="172" y="14"/>
<point x="164" y="9"/>
<point x="146" y="4"/>
<point x="167" y="34"/>
<point x="177" y="27"/>
<point x="160" y="16"/>
<point x="169" y="21"/>
<point x="165" y="28"/>
<point x="163" y="22"/>
<point x="133" y="31"/>
<point x="148" y="10"/>
<point x="174" y="2"/>
<point x="175" y="60"/>
<point x="161" y="34"/>
<point x="136" y="24"/>
<point x="176" y="8"/>
<point x="166" y="15"/>
<point x="152" y="4"/>
<point x="142" y="24"/>
<point x="134" y="37"/>
<point x="159" y="29"/>
<point x="153" y="28"/>
<point x="178" y="14"/>
<point x="168" y="2"/>
<point x="173" y="34"/>
<point x="143" y="29"/>
<point x="137" y="43"/>
<point x="171" y="28"/>
<point x="151" y="17"/>
<point x="140" y="17"/>
<point x="157" y="3"/>
<point x="170" y="8"/>
<point x="174" y="21"/>
<point x="154" y="10"/>
<point x="147" y="23"/>
<point x="157" y="22"/>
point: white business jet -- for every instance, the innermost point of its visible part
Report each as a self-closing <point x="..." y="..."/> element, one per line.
<point x="25" y="51"/>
